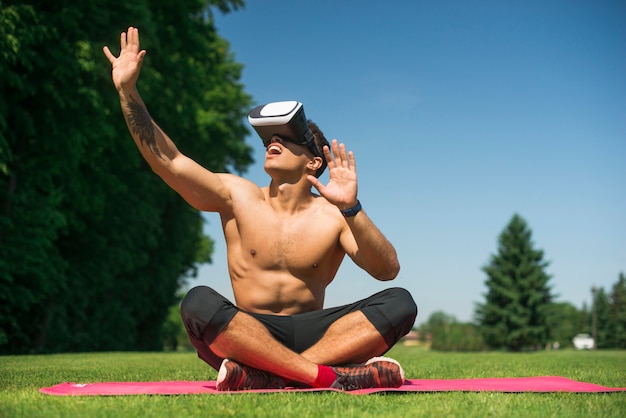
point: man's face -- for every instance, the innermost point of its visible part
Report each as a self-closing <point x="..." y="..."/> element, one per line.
<point x="283" y="154"/>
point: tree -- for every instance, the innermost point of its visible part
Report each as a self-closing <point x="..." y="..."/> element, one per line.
<point x="564" y="323"/>
<point x="94" y="245"/>
<point x="584" y="320"/>
<point x="616" y="327"/>
<point x="448" y="334"/>
<point x="175" y="336"/>
<point x="602" y="319"/>
<point x="515" y="313"/>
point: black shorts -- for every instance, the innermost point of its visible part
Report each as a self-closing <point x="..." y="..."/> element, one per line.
<point x="206" y="313"/>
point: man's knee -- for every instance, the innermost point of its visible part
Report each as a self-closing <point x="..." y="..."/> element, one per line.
<point x="205" y="312"/>
<point x="193" y="305"/>
<point x="404" y="308"/>
<point x="397" y="307"/>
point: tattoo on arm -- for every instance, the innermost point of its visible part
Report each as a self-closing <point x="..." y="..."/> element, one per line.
<point x="141" y="125"/>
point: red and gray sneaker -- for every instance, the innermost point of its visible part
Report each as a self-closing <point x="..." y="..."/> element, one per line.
<point x="378" y="372"/>
<point x="235" y="376"/>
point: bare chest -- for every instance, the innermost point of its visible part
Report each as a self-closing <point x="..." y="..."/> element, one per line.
<point x="291" y="244"/>
<point x="300" y="243"/>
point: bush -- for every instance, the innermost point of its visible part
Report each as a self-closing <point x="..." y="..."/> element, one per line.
<point x="174" y="334"/>
<point x="457" y="336"/>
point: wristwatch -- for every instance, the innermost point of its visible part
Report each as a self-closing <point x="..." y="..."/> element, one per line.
<point x="352" y="211"/>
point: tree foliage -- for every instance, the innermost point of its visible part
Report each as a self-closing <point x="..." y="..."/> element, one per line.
<point x="602" y="317"/>
<point x="446" y="333"/>
<point x="94" y="245"/>
<point x="564" y="322"/>
<point x="515" y="313"/>
<point x="617" y="313"/>
<point x="610" y="311"/>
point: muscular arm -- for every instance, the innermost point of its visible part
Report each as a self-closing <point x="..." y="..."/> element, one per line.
<point x="368" y="247"/>
<point x="201" y="188"/>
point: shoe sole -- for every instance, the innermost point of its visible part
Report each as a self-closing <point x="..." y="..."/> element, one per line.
<point x="221" y="375"/>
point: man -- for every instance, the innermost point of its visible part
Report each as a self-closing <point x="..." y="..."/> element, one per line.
<point x="284" y="246"/>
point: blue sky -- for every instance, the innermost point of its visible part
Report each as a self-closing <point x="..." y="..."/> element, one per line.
<point x="460" y="115"/>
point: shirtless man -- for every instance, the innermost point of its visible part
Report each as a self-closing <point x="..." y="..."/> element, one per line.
<point x="284" y="246"/>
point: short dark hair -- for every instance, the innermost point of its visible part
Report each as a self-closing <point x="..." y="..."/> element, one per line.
<point x="320" y="141"/>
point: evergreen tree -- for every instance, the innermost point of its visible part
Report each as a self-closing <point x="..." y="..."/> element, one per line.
<point x="603" y="335"/>
<point x="584" y="320"/>
<point x="515" y="313"/>
<point x="617" y="314"/>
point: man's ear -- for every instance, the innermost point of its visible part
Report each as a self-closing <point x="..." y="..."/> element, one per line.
<point x="315" y="163"/>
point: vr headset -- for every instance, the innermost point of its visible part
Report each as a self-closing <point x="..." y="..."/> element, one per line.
<point x="283" y="119"/>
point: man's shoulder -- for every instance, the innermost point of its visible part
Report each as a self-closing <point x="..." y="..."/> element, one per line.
<point x="233" y="179"/>
<point x="240" y="186"/>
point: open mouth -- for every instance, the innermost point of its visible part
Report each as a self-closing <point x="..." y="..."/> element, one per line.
<point x="274" y="150"/>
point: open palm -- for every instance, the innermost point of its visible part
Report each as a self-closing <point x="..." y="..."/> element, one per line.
<point x="342" y="186"/>
<point x="127" y="66"/>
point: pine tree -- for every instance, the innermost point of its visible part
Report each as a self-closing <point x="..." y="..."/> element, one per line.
<point x="514" y="315"/>
<point x="617" y="313"/>
<point x="603" y="333"/>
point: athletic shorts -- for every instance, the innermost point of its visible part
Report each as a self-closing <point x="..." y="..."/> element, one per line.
<point x="206" y="313"/>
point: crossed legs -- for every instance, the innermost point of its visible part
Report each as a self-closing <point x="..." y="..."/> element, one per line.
<point x="349" y="334"/>
<point x="351" y="339"/>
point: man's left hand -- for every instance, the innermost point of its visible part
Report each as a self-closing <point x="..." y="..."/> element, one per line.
<point x="342" y="186"/>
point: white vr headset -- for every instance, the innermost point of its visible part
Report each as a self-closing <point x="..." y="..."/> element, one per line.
<point x="283" y="119"/>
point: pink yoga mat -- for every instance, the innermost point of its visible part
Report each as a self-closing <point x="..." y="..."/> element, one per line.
<point x="507" y="384"/>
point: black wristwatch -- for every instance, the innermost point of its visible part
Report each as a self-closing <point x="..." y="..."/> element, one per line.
<point x="352" y="211"/>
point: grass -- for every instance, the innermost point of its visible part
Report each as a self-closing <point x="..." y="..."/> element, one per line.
<point x="22" y="376"/>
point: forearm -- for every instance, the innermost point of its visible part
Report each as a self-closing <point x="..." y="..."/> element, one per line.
<point x="155" y="146"/>
<point x="201" y="188"/>
<point x="375" y="254"/>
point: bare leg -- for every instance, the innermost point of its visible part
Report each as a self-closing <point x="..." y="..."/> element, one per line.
<point x="351" y="339"/>
<point x="246" y="340"/>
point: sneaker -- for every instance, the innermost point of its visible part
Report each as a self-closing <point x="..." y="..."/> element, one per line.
<point x="378" y="372"/>
<point x="235" y="376"/>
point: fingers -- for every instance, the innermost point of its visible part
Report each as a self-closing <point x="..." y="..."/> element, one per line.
<point x="352" y="161"/>
<point x="129" y="42"/>
<point x="315" y="183"/>
<point x="107" y="51"/>
<point x="340" y="157"/>
<point x="130" y="39"/>
<point x="130" y="36"/>
<point x="108" y="54"/>
<point x="328" y="156"/>
<point x="133" y="38"/>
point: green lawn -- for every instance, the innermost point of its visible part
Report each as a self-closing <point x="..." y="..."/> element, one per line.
<point x="22" y="376"/>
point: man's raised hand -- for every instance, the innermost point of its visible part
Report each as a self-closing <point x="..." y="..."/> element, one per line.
<point x="126" y="67"/>
<point x="342" y="186"/>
